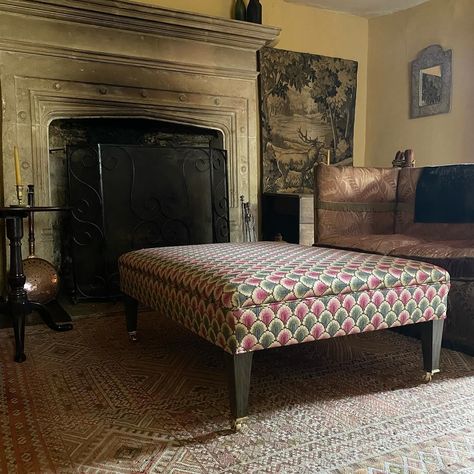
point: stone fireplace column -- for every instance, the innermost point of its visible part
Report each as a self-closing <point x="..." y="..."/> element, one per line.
<point x="68" y="59"/>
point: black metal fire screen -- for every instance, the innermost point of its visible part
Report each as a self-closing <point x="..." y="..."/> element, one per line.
<point x="130" y="197"/>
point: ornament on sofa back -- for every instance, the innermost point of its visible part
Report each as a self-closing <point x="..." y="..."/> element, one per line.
<point x="404" y="159"/>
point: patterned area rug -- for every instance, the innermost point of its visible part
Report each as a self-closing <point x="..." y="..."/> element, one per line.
<point x="88" y="401"/>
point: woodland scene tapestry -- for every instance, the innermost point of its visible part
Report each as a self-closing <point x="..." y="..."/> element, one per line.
<point x="307" y="114"/>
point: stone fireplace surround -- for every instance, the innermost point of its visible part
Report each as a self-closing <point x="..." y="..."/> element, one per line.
<point x="104" y="58"/>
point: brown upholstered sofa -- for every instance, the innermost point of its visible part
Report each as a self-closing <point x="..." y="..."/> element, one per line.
<point x="373" y="210"/>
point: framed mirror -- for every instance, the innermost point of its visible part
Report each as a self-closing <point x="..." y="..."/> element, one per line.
<point x="431" y="82"/>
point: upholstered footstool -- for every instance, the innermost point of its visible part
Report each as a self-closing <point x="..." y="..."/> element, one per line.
<point x="245" y="297"/>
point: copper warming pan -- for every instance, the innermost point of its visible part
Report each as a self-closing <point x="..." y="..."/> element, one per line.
<point x="42" y="279"/>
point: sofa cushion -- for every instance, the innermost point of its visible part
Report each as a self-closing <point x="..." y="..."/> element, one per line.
<point x="354" y="201"/>
<point x="456" y="256"/>
<point x="454" y="184"/>
<point x="405" y="213"/>
<point x="374" y="243"/>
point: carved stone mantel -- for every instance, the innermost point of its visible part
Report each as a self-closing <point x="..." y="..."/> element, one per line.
<point x="104" y="58"/>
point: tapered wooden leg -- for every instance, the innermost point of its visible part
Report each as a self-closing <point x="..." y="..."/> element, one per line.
<point x="17" y="299"/>
<point x="239" y="368"/>
<point x="131" y="312"/>
<point x="431" y="336"/>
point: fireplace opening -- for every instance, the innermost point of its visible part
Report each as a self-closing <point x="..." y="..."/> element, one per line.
<point x="131" y="183"/>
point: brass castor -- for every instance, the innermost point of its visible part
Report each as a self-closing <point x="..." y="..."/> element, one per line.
<point x="428" y="376"/>
<point x="132" y="336"/>
<point x="238" y="423"/>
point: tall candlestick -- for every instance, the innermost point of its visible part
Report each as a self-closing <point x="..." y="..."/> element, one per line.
<point x="329" y="157"/>
<point x="17" y="166"/>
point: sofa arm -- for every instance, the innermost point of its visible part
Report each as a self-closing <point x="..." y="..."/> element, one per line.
<point x="354" y="201"/>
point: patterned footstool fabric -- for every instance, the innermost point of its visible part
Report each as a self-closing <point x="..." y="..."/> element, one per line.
<point x="250" y="296"/>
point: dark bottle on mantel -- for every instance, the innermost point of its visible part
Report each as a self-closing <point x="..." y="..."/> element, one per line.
<point x="254" y="11"/>
<point x="239" y="10"/>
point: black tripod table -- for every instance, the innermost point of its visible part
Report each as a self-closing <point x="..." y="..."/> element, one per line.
<point x="17" y="304"/>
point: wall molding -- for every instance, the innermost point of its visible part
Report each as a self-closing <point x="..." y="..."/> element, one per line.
<point x="140" y="18"/>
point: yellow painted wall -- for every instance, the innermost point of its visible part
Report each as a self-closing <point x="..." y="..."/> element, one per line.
<point x="394" y="41"/>
<point x="307" y="30"/>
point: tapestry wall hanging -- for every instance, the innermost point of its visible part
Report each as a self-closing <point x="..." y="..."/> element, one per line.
<point x="307" y="115"/>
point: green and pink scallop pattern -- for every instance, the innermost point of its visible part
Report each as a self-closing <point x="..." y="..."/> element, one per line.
<point x="251" y="296"/>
